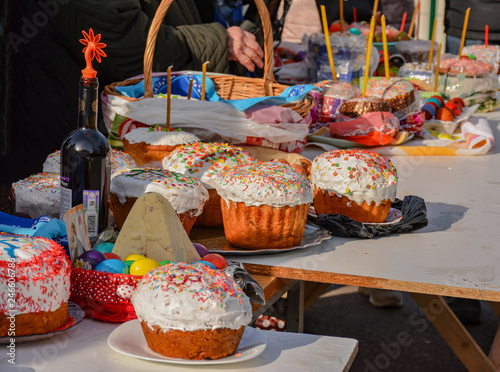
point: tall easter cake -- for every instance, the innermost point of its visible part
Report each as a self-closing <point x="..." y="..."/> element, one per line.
<point x="34" y="285"/>
<point x="191" y="311"/>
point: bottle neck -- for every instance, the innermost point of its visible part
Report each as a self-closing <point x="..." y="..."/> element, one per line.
<point x="88" y="104"/>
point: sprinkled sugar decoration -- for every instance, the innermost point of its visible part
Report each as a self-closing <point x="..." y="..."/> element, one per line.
<point x="389" y="88"/>
<point x="205" y="160"/>
<point x="360" y="175"/>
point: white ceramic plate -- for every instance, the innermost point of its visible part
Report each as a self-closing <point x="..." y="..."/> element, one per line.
<point x="76" y="316"/>
<point x="128" y="339"/>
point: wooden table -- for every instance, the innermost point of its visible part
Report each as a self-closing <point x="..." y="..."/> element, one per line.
<point x="84" y="348"/>
<point x="457" y="254"/>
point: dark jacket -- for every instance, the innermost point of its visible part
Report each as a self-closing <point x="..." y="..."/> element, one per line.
<point x="482" y="12"/>
<point x="44" y="63"/>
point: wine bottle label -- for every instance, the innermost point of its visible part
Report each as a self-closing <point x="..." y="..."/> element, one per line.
<point x="66" y="200"/>
<point x="91" y="209"/>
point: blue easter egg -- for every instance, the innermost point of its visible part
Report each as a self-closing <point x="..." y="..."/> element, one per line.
<point x="354" y="31"/>
<point x="209" y="264"/>
<point x="104" y="247"/>
<point x="113" y="266"/>
<point x="435" y="100"/>
<point x="431" y="111"/>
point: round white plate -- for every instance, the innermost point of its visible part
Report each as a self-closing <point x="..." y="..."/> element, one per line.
<point x="75" y="312"/>
<point x="128" y="339"/>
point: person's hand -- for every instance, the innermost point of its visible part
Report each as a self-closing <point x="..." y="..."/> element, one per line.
<point x="244" y="48"/>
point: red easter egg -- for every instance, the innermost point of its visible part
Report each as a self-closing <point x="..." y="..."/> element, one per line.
<point x="440" y="99"/>
<point x="455" y="107"/>
<point x="459" y="100"/>
<point x="445" y="114"/>
<point x="111" y="255"/>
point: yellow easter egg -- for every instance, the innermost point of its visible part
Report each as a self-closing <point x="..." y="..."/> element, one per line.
<point x="134" y="257"/>
<point x="142" y="267"/>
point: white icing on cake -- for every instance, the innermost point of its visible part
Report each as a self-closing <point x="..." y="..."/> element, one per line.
<point x="190" y="298"/>
<point x="119" y="161"/>
<point x="184" y="193"/>
<point x="264" y="183"/>
<point x="160" y="137"/>
<point x="205" y="160"/>
<point x="38" y="195"/>
<point x="41" y="270"/>
<point x="358" y="175"/>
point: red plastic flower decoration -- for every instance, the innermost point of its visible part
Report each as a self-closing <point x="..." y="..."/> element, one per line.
<point x="92" y="43"/>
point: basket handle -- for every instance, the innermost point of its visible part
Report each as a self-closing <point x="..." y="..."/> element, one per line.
<point x="155" y="27"/>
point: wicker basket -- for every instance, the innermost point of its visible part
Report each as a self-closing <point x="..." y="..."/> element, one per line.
<point x="228" y="87"/>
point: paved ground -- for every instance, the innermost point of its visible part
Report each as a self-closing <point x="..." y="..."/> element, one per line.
<point x="344" y="312"/>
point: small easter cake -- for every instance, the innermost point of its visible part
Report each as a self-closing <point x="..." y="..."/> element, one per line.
<point x="358" y="106"/>
<point x="147" y="145"/>
<point x="34" y="285"/>
<point x="191" y="311"/>
<point x="38" y="195"/>
<point x="359" y="184"/>
<point x="204" y="161"/>
<point x="187" y="195"/>
<point x="397" y="92"/>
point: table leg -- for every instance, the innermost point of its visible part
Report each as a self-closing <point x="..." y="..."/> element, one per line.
<point x="453" y="332"/>
<point x="495" y="348"/>
<point x="295" y="308"/>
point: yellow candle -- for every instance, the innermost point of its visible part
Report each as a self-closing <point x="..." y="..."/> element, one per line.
<point x="203" y="75"/>
<point x="437" y="68"/>
<point x="432" y="43"/>
<point x="412" y="23"/>
<point x="386" y="51"/>
<point x="169" y="97"/>
<point x="368" y="54"/>
<point x="464" y="31"/>
<point x="327" y="40"/>
<point x="375" y="7"/>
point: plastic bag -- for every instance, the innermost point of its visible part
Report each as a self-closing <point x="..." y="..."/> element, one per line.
<point x="414" y="217"/>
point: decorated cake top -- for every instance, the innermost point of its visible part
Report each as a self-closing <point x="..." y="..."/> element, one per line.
<point x="205" y="160"/>
<point x="389" y="88"/>
<point x="184" y="193"/>
<point x="40" y="269"/>
<point x="341" y="90"/>
<point x="359" y="175"/>
<point x="38" y="195"/>
<point x="119" y="161"/>
<point x="264" y="183"/>
<point x="190" y="297"/>
<point x="160" y="137"/>
<point x="465" y="65"/>
<point x="490" y="52"/>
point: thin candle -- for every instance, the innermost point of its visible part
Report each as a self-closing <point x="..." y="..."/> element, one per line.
<point x="327" y="40"/>
<point x="437" y="68"/>
<point x="464" y="32"/>
<point x="432" y="43"/>
<point x="403" y="22"/>
<point x="190" y="90"/>
<point x="418" y="20"/>
<point x="368" y="54"/>
<point x="375" y="7"/>
<point x="341" y="4"/>
<point x="412" y="23"/>
<point x="169" y="97"/>
<point x="486" y="34"/>
<point x="386" y="51"/>
<point x="203" y="75"/>
<point x="354" y="14"/>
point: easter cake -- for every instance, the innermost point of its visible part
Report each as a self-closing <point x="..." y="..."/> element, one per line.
<point x="264" y="204"/>
<point x="359" y="184"/>
<point x="191" y="311"/>
<point x="398" y="93"/>
<point x="34" y="285"/>
<point x="358" y="106"/>
<point x="38" y="195"/>
<point x="204" y="161"/>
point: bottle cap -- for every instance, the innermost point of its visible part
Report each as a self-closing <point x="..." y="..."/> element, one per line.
<point x="93" y="49"/>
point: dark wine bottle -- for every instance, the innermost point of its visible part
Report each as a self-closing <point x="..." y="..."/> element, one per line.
<point x="86" y="159"/>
